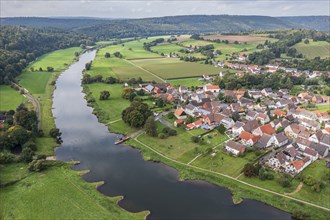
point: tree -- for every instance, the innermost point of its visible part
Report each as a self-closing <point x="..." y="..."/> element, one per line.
<point x="19" y="136"/>
<point x="284" y="181"/>
<point x="55" y="133"/>
<point x="107" y="55"/>
<point x="104" y="95"/>
<point x="136" y="119"/>
<point x="220" y="96"/>
<point x="110" y="80"/>
<point x="228" y="99"/>
<point x="306" y="41"/>
<point x="221" y="129"/>
<point x="160" y="103"/>
<point x="118" y="54"/>
<point x="235" y="116"/>
<point x="136" y="114"/>
<point x="127" y="92"/>
<point x="26" y="119"/>
<point x="151" y="127"/>
<point x="250" y="170"/>
<point x="26" y="155"/>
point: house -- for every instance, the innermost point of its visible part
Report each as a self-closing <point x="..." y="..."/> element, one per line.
<point x="264" y="129"/>
<point x="178" y="122"/>
<point x="213" y="119"/>
<point x="267" y="92"/>
<point x="316" y="137"/>
<point x="279" y="113"/>
<point x="297" y="166"/>
<point x="245" y="101"/>
<point x="321" y="149"/>
<point x="310" y="124"/>
<point x="248" y="139"/>
<point x="293" y="130"/>
<point x="277" y="161"/>
<point x="303" y="143"/>
<point x="194" y="125"/>
<point x="183" y="89"/>
<point x="237" y="128"/>
<point x="263" y="118"/>
<point x="235" y="148"/>
<point x="250" y="126"/>
<point x="190" y="110"/>
<point x="149" y="88"/>
<point x="265" y="141"/>
<point x="251" y="115"/>
<point x="227" y="122"/>
<point x="280" y="139"/>
<point x="255" y="94"/>
<point x="211" y="88"/>
<point x="325" y="140"/>
<point x="160" y="87"/>
<point x="310" y="152"/>
<point x="180" y="113"/>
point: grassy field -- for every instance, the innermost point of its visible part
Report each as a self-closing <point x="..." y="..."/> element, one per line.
<point x="233" y="38"/>
<point x="113" y="107"/>
<point x="321" y="108"/>
<point x="10" y="98"/>
<point x="168" y="68"/>
<point x="186" y="82"/>
<point x="58" y="59"/>
<point x="168" y="48"/>
<point x="56" y="193"/>
<point x="314" y="49"/>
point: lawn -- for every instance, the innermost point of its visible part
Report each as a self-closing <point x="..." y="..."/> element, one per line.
<point x="321" y="108"/>
<point x="169" y="68"/>
<point x="10" y="98"/>
<point x="314" y="49"/>
<point x="56" y="193"/>
<point x="168" y="48"/>
<point x="34" y="82"/>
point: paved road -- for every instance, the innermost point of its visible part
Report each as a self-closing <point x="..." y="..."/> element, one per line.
<point x="230" y="177"/>
<point x="159" y="118"/>
<point x="33" y="100"/>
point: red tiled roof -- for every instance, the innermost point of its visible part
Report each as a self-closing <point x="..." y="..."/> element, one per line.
<point x="297" y="164"/>
<point x="279" y="112"/>
<point x="267" y="129"/>
<point x="212" y="87"/>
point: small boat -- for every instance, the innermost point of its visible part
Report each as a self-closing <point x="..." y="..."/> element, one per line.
<point x="122" y="139"/>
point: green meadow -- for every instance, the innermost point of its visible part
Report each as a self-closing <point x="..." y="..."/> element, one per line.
<point x="55" y="193"/>
<point x="10" y="98"/>
<point x="314" y="49"/>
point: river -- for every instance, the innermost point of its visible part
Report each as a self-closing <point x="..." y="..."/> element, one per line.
<point x="145" y="185"/>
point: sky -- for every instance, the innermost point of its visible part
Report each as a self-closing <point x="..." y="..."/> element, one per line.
<point x="157" y="8"/>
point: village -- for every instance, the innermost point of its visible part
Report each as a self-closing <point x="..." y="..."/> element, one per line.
<point x="272" y="121"/>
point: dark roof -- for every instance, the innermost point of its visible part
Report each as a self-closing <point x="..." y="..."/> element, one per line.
<point x="235" y="146"/>
<point x="262" y="142"/>
<point x="320" y="148"/>
<point x="251" y="125"/>
<point x="281" y="137"/>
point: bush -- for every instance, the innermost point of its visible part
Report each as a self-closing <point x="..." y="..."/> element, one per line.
<point x="6" y="157"/>
<point x="37" y="165"/>
<point x="170" y="115"/>
<point x="299" y="215"/>
<point x="309" y="180"/>
<point x="162" y="136"/>
<point x="31" y="145"/>
<point x="284" y="181"/>
<point x="195" y="139"/>
<point x="26" y="155"/>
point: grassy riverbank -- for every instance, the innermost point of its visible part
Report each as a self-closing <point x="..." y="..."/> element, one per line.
<point x="56" y="193"/>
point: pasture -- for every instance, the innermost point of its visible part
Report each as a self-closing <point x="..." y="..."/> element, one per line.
<point x="186" y="82"/>
<point x="10" y="98"/>
<point x="314" y="49"/>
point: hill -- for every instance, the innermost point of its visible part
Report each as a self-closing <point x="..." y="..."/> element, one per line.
<point x="108" y="28"/>
<point x="321" y="23"/>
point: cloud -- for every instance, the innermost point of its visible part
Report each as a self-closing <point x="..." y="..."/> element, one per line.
<point x="156" y="8"/>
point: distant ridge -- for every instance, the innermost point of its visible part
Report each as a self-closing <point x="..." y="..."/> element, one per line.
<point x="170" y="24"/>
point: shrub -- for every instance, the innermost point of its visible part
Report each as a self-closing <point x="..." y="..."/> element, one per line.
<point x="31" y="145"/>
<point x="37" y="165"/>
<point x="26" y="155"/>
<point x="6" y="157"/>
<point x="162" y="136"/>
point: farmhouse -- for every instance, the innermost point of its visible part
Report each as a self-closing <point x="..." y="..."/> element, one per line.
<point x="180" y="113"/>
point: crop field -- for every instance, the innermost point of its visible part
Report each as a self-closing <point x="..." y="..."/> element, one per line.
<point x="10" y="98"/>
<point x="233" y="38"/>
<point x="57" y="59"/>
<point x="168" y="68"/>
<point x="314" y="49"/>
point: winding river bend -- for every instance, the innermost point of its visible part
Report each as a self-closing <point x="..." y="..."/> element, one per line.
<point x="145" y="185"/>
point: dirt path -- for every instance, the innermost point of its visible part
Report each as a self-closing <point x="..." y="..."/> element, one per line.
<point x="296" y="190"/>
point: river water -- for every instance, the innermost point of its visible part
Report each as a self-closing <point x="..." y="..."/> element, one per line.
<point x="145" y="185"/>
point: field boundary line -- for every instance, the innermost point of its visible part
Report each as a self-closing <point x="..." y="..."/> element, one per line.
<point x="147" y="71"/>
<point x="230" y="177"/>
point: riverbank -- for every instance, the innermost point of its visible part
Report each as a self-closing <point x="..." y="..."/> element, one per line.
<point x="194" y="172"/>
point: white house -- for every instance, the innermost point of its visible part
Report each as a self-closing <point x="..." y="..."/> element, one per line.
<point x="235" y="148"/>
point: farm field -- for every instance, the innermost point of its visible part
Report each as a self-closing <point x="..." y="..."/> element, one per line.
<point x="186" y="82"/>
<point x="168" y="48"/>
<point x="314" y="49"/>
<point x="10" y="98"/>
<point x="169" y="68"/>
<point x="233" y="38"/>
<point x="40" y="192"/>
